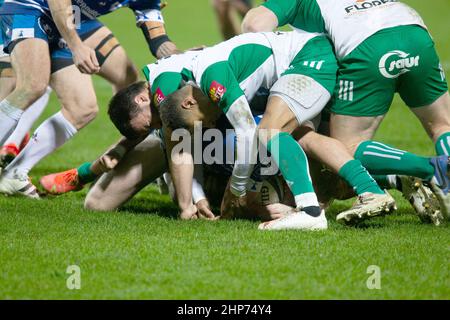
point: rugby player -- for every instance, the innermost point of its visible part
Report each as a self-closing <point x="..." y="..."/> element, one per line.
<point x="221" y="70"/>
<point x="147" y="160"/>
<point x="91" y="45"/>
<point x="20" y="137"/>
<point x="382" y="47"/>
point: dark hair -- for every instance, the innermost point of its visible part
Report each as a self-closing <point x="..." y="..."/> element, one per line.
<point x="172" y="114"/>
<point x="122" y="108"/>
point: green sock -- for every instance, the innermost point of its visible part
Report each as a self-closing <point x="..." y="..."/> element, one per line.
<point x="358" y="177"/>
<point x="85" y="175"/>
<point x="379" y="158"/>
<point x="293" y="164"/>
<point x="443" y="145"/>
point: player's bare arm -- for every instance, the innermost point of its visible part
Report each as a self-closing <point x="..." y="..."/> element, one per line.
<point x="158" y="41"/>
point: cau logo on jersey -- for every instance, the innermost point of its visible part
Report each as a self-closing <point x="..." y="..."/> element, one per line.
<point x="216" y="91"/>
<point x="395" y="63"/>
<point x="364" y="5"/>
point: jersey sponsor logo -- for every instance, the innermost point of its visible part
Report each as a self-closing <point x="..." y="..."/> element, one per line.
<point x="365" y="5"/>
<point x="158" y="97"/>
<point x="395" y="63"/>
<point x="216" y="91"/>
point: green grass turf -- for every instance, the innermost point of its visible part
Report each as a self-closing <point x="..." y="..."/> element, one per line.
<point x="143" y="252"/>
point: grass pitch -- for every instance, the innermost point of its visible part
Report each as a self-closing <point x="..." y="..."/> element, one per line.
<point x="142" y="252"/>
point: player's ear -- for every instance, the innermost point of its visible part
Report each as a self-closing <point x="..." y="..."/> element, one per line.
<point x="188" y="102"/>
<point x="142" y="98"/>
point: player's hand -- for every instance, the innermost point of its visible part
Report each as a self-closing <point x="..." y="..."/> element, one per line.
<point x="204" y="210"/>
<point x="110" y="159"/>
<point x="232" y="206"/>
<point x="85" y="59"/>
<point x="189" y="213"/>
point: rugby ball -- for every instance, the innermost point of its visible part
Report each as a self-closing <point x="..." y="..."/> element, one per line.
<point x="272" y="191"/>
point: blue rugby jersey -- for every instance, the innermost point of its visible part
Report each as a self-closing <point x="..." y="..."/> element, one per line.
<point x="89" y="9"/>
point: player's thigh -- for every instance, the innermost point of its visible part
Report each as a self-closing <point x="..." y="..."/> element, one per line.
<point x="28" y="47"/>
<point x="422" y="83"/>
<point x="351" y="130"/>
<point x="288" y="109"/>
<point x="304" y="89"/>
<point x="30" y="60"/>
<point x="76" y="94"/>
<point x="116" y="66"/>
<point x="138" y="168"/>
<point x="435" y="117"/>
<point x="119" y="70"/>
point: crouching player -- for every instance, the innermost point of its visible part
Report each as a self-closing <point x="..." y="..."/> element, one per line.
<point x="382" y="47"/>
<point x="220" y="76"/>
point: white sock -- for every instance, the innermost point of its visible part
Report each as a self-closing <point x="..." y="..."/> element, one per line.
<point x="9" y="117"/>
<point x="27" y="120"/>
<point x="308" y="199"/>
<point x="50" y="135"/>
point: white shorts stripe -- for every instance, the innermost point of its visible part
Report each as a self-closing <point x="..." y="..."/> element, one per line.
<point x="341" y="87"/>
<point x="345" y="89"/>
<point x="351" y="91"/>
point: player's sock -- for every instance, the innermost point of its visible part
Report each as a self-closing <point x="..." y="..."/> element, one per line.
<point x="50" y="135"/>
<point x="379" y="158"/>
<point x="27" y="120"/>
<point x="9" y="117"/>
<point x="358" y="177"/>
<point x="293" y="164"/>
<point x="443" y="145"/>
<point x="85" y="175"/>
<point x="390" y="181"/>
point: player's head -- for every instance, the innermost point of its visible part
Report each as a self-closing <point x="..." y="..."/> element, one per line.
<point x="187" y="105"/>
<point x="132" y="112"/>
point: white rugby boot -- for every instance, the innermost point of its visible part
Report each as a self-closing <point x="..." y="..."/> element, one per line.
<point x="297" y="220"/>
<point x="367" y="205"/>
<point x="18" y="186"/>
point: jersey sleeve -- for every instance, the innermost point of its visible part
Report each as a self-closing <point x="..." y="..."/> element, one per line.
<point x="219" y="83"/>
<point x="285" y="10"/>
<point x="147" y="10"/>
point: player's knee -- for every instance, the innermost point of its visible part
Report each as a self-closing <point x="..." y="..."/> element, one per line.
<point x="31" y="90"/>
<point x="307" y="140"/>
<point x="84" y="114"/>
<point x="95" y="203"/>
